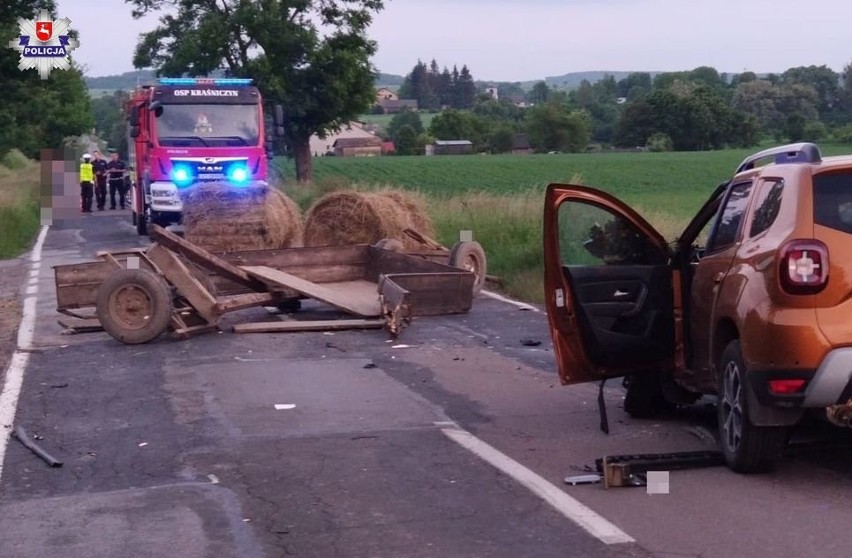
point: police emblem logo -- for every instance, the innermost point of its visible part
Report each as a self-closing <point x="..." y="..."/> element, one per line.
<point x="44" y="44"/>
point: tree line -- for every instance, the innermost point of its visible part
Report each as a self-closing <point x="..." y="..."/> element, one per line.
<point x="36" y="113"/>
<point x="433" y="88"/>
<point x="692" y="110"/>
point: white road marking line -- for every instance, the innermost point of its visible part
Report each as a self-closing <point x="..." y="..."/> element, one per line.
<point x="20" y="358"/>
<point x="591" y="522"/>
<point x="519" y="304"/>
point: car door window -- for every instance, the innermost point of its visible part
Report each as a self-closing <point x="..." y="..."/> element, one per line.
<point x="730" y="218"/>
<point x="590" y="235"/>
<point x="767" y="206"/>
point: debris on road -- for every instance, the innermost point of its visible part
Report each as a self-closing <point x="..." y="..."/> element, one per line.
<point x="24" y="438"/>
<point x="583" y="479"/>
<point x="284" y="406"/>
<point x="632" y="470"/>
<point x="530" y="342"/>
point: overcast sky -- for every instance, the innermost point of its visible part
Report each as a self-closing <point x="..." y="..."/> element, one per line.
<point x="518" y="40"/>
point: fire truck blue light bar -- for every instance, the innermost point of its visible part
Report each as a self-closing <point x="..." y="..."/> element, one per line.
<point x="205" y="81"/>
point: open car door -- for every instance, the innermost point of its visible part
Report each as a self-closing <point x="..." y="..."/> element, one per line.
<point x="608" y="287"/>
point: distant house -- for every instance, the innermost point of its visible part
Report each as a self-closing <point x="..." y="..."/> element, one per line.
<point x="385" y="94"/>
<point x="388" y="148"/>
<point x="393" y="106"/>
<point x="321" y="146"/>
<point x="521" y="145"/>
<point x="358" y="147"/>
<point x="452" y="147"/>
<point x="492" y="91"/>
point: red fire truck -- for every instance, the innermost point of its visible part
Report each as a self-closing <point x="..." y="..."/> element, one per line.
<point x="189" y="130"/>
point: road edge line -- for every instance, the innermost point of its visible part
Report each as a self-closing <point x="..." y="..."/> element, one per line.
<point x="583" y="516"/>
<point x="14" y="378"/>
<point x="517" y="303"/>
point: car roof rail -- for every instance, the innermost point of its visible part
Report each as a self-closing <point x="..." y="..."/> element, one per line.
<point x="793" y="153"/>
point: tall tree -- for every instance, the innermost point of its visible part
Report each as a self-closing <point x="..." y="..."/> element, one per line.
<point x="551" y="127"/>
<point x="466" y="89"/>
<point x="311" y="56"/>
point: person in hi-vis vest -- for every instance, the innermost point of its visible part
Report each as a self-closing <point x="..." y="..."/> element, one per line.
<point x="87" y="183"/>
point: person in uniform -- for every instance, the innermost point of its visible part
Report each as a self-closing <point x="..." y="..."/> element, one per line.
<point x="100" y="166"/>
<point x="87" y="187"/>
<point x="116" y="170"/>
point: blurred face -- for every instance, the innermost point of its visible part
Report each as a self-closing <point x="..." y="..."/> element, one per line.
<point x="114" y="157"/>
<point x="97" y="154"/>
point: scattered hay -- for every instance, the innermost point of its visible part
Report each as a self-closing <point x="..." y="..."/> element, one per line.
<point x="351" y="217"/>
<point x="221" y="218"/>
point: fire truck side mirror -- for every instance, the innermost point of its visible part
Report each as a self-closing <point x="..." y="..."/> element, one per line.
<point x="134" y="131"/>
<point x="156" y="107"/>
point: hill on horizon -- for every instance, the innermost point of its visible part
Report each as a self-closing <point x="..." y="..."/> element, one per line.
<point x="571" y="80"/>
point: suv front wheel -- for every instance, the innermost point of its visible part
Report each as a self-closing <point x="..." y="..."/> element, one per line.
<point x="747" y="448"/>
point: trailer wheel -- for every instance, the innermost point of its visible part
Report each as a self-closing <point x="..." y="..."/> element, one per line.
<point x="470" y="256"/>
<point x="134" y="305"/>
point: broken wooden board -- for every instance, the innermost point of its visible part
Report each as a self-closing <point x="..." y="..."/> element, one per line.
<point x="202" y="257"/>
<point x="187" y="285"/>
<point x="356" y="297"/>
<point x="314" y="325"/>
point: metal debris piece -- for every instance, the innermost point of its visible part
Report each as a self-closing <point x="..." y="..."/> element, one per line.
<point x="530" y="342"/>
<point x="583" y="479"/>
<point x="24" y="438"/>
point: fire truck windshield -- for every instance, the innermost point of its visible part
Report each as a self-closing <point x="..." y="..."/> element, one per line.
<point x="184" y="125"/>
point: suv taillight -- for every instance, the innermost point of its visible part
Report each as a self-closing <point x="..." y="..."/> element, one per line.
<point x="804" y="266"/>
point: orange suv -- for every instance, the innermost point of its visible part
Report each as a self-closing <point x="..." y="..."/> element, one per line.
<point x="752" y="303"/>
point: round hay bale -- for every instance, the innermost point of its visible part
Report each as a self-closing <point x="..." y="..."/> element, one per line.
<point x="351" y="217"/>
<point x="415" y="205"/>
<point x="221" y="218"/>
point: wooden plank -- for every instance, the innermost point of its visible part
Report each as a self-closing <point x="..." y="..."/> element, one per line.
<point x="321" y="325"/>
<point x="121" y="252"/>
<point x="188" y="286"/>
<point x="385" y="262"/>
<point x="325" y="264"/>
<point x="350" y="297"/>
<point x="203" y="258"/>
<point x="249" y="300"/>
<point x="425" y="240"/>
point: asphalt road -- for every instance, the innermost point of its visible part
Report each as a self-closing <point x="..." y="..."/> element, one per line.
<point x="177" y="448"/>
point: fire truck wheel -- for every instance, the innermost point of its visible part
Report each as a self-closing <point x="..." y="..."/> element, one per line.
<point x="134" y="305"/>
<point x="470" y="256"/>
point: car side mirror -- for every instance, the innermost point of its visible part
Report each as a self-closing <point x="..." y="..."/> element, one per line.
<point x="156" y="107"/>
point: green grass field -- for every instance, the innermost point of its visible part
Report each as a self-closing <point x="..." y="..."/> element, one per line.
<point x="500" y="197"/>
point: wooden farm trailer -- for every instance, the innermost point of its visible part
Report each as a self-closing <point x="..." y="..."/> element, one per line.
<point x="138" y="294"/>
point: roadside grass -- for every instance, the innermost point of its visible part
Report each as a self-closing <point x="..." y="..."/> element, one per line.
<point x="19" y="203"/>
<point x="501" y="197"/>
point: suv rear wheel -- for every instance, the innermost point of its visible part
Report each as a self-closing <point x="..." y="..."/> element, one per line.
<point x="747" y="448"/>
